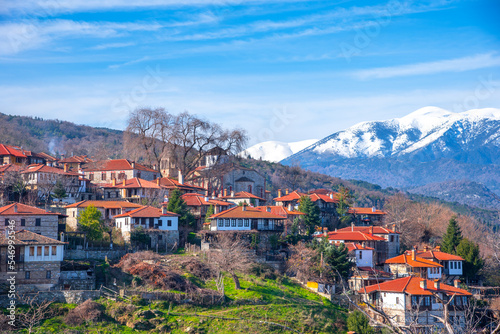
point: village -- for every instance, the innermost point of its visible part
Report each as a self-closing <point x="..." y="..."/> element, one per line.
<point x="102" y="210"/>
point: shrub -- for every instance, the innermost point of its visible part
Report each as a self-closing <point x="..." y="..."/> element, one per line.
<point x="88" y="311"/>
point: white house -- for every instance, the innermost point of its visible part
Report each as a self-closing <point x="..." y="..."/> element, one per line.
<point x="361" y="254"/>
<point x="452" y="264"/>
<point x="149" y="218"/>
<point x="411" y="264"/>
<point x="413" y="301"/>
<point x="245" y="218"/>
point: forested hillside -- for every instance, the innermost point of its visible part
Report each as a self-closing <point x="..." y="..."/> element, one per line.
<point x="60" y="137"/>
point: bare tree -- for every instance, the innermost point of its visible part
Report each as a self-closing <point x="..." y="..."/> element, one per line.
<point x="37" y="311"/>
<point x="231" y="252"/>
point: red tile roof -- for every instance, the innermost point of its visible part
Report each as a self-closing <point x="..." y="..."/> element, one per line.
<point x="39" y="168"/>
<point x="352" y="236"/>
<point x="411" y="286"/>
<point x="24" y="210"/>
<point x="199" y="200"/>
<point x="438" y="255"/>
<point x="417" y="263"/>
<point x="170" y="183"/>
<point x="244" y="194"/>
<point x="249" y="212"/>
<point x="354" y="246"/>
<point x="280" y="210"/>
<point x="11" y="150"/>
<point x="133" y="183"/>
<point x="25" y="238"/>
<point x="46" y="156"/>
<point x="367" y="229"/>
<point x="326" y="198"/>
<point x="147" y="212"/>
<point x="115" y="165"/>
<point x="10" y="168"/>
<point x="366" y="211"/>
<point x="76" y="158"/>
<point x="293" y="196"/>
<point x="104" y="204"/>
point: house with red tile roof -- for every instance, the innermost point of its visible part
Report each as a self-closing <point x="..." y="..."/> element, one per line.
<point x="243" y="197"/>
<point x="12" y="155"/>
<point x="75" y="162"/>
<point x="390" y="235"/>
<point x="37" y="261"/>
<point x="30" y="218"/>
<point x="452" y="264"/>
<point x="361" y="254"/>
<point x="134" y="190"/>
<point x="288" y="213"/>
<point x="413" y="301"/>
<point x="245" y="218"/>
<point x="105" y="171"/>
<point x="185" y="188"/>
<point x="108" y="209"/>
<point x="198" y="205"/>
<point x="160" y="224"/>
<point x="410" y="264"/>
<point x="43" y="180"/>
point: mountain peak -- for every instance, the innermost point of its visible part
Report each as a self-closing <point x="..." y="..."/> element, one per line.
<point x="425" y="119"/>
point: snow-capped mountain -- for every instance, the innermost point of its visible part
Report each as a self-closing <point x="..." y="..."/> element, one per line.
<point x="429" y="132"/>
<point x="429" y="145"/>
<point x="275" y="151"/>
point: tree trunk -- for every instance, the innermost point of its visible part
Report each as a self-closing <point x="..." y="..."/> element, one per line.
<point x="236" y="282"/>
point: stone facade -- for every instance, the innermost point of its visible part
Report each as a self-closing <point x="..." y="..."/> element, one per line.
<point x="46" y="225"/>
<point x="78" y="280"/>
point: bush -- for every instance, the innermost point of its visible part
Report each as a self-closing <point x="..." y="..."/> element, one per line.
<point x="88" y="311"/>
<point x="358" y="322"/>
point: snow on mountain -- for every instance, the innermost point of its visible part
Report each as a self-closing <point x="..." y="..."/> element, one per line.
<point x="275" y="151"/>
<point x="430" y="129"/>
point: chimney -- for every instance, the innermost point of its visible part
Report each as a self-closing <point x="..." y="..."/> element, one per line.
<point x="438" y="248"/>
<point x="113" y="182"/>
<point x="158" y="181"/>
<point x="180" y="177"/>
<point x="286" y="191"/>
<point x="244" y="207"/>
<point x="232" y="193"/>
<point x="352" y="227"/>
<point x="423" y="284"/>
<point x="437" y="284"/>
<point x="413" y="254"/>
<point x="216" y="209"/>
<point x="15" y="208"/>
<point x="394" y="227"/>
<point x="164" y="209"/>
<point x="65" y="168"/>
<point x="374" y="209"/>
<point x="363" y="244"/>
<point x="133" y="164"/>
<point x="331" y="195"/>
<point x="207" y="199"/>
<point x="371" y="230"/>
<point x="124" y="182"/>
<point x="279" y="192"/>
<point x="225" y="192"/>
<point x="290" y="208"/>
<point x="426" y="248"/>
<point x="456" y="283"/>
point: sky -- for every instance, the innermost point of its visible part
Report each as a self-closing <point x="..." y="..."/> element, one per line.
<point x="285" y="70"/>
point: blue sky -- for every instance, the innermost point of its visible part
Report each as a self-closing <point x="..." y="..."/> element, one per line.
<point x="283" y="70"/>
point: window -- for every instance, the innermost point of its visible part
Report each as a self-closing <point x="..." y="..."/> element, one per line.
<point x="228" y="223"/>
<point x="247" y="222"/>
<point x="103" y="176"/>
<point x="160" y="237"/>
<point x="27" y="275"/>
<point x="38" y="222"/>
<point x="138" y="175"/>
<point x="46" y="251"/>
<point x="48" y="275"/>
<point x="169" y="223"/>
<point x="23" y="222"/>
<point x="360" y="255"/>
<point x="233" y="222"/>
<point x="392" y="238"/>
<point x="6" y="221"/>
<point x="32" y="251"/>
<point x="240" y="222"/>
<point x="459" y="265"/>
<point x="112" y="175"/>
<point x="427" y="301"/>
<point x="160" y="223"/>
<point x="39" y="251"/>
<point x="414" y="300"/>
<point x="91" y="176"/>
<point x="397" y="300"/>
<point x="221" y="222"/>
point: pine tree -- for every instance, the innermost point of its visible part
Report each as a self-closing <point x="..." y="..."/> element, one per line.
<point x="344" y="197"/>
<point x="59" y="192"/>
<point x="177" y="205"/>
<point x="311" y="210"/>
<point x="358" y="322"/>
<point x="452" y="237"/>
<point x="335" y="260"/>
<point x="469" y="251"/>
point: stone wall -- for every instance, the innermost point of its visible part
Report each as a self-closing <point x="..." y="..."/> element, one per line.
<point x="78" y="280"/>
<point x="83" y="254"/>
<point x="49" y="224"/>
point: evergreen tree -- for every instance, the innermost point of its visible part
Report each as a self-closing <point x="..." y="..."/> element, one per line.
<point x="358" y="323"/>
<point x="177" y="205"/>
<point x="344" y="197"/>
<point x="59" y="192"/>
<point x="90" y="221"/>
<point x="139" y="237"/>
<point x="335" y="260"/>
<point x="210" y="211"/>
<point x="469" y="251"/>
<point x="452" y="237"/>
<point x="311" y="210"/>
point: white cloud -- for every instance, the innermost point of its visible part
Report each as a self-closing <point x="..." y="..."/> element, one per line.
<point x="111" y="46"/>
<point x="450" y="65"/>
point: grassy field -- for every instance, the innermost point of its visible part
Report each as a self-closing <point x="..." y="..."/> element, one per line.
<point x="272" y="305"/>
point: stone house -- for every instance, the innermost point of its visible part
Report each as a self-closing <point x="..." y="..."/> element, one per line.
<point x="12" y="155"/>
<point x="412" y="301"/>
<point x="105" y="171"/>
<point x="367" y="216"/>
<point x="390" y="235"/>
<point x="75" y="162"/>
<point x="108" y="209"/>
<point x="411" y="264"/>
<point x="37" y="261"/>
<point x="199" y="204"/>
<point x="31" y="218"/>
<point x="242" y="197"/>
<point x="161" y="225"/>
<point x="134" y="190"/>
<point x="452" y="264"/>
